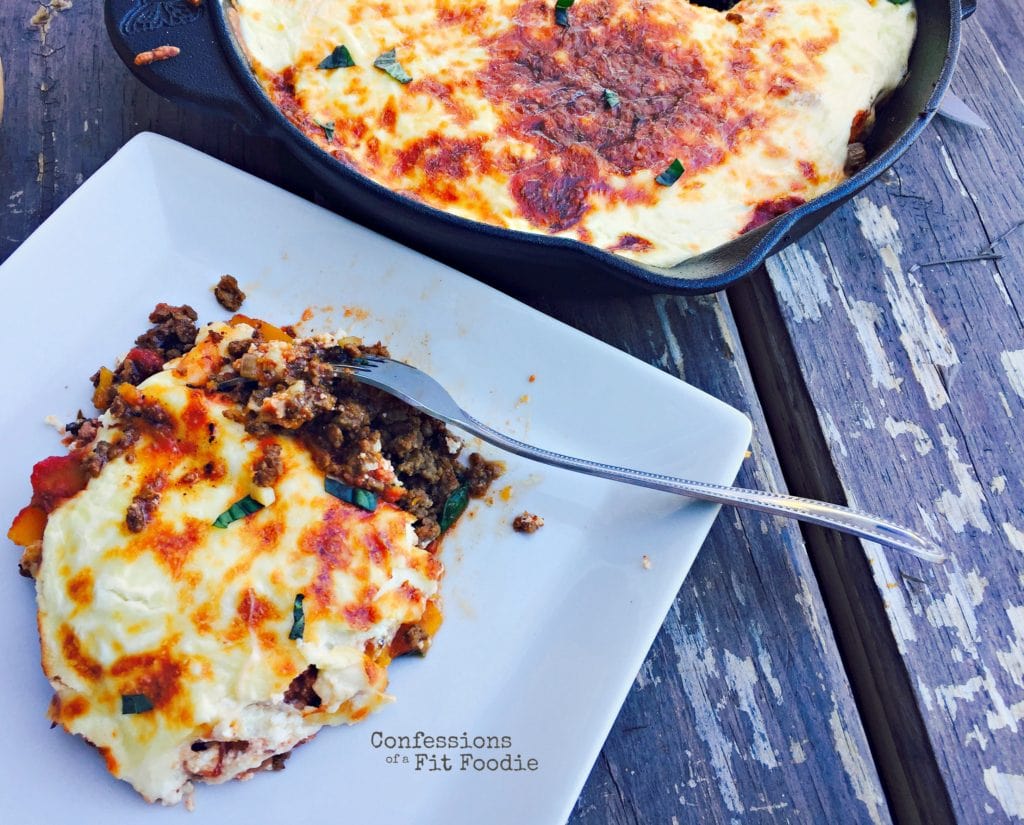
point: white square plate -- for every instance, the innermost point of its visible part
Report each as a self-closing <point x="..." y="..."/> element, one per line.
<point x="543" y="634"/>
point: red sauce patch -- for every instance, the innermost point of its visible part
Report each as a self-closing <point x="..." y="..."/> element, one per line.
<point x="549" y="83"/>
<point x="380" y="550"/>
<point x="769" y="210"/>
<point x="443" y="93"/>
<point x="631" y="242"/>
<point x="55" y="479"/>
<point x="195" y="418"/>
<point x="81" y="662"/>
<point x="859" y="125"/>
<point x="440" y="156"/>
<point x="555" y="193"/>
<point x="147" y="362"/>
<point x="80" y="587"/>
<point x="809" y="170"/>
<point x="215" y="470"/>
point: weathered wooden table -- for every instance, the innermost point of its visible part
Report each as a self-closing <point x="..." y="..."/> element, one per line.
<point x="801" y="676"/>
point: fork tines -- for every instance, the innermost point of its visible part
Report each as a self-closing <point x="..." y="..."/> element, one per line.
<point x="363" y="364"/>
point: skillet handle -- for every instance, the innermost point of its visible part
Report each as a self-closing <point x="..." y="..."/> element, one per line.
<point x="201" y="74"/>
<point x="967" y="8"/>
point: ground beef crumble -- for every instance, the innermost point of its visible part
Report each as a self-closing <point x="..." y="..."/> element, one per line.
<point x="357" y="434"/>
<point x="228" y="294"/>
<point x="481" y="473"/>
<point x="410" y="638"/>
<point x="300" y="693"/>
<point x="173" y="332"/>
<point x="145" y="503"/>
<point x="527" y="523"/>
<point x="269" y="467"/>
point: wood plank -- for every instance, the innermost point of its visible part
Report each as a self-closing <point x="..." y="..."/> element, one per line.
<point x="742" y="710"/>
<point x="915" y="376"/>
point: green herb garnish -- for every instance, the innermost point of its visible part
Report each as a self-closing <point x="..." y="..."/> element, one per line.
<point x="671" y="174"/>
<point x="135" y="703"/>
<point x="387" y="62"/>
<point x="562" y="12"/>
<point x="454" y="507"/>
<point x="340" y="58"/>
<point x="353" y="495"/>
<point x="240" y="509"/>
<point x="298" y="618"/>
<point x="611" y="98"/>
<point x="328" y="130"/>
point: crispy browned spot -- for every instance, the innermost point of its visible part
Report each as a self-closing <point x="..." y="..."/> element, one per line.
<point x="253" y="609"/>
<point x="81" y="662"/>
<point x="80" y="587"/>
<point x="155" y="674"/>
<point x="769" y="210"/>
<point x="329" y="541"/>
<point x="631" y="242"/>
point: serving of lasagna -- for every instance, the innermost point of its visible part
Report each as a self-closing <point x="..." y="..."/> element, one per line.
<point x="232" y="552"/>
<point x="655" y="129"/>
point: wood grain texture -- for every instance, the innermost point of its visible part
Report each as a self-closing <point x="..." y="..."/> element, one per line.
<point x="742" y="711"/>
<point x="915" y="376"/>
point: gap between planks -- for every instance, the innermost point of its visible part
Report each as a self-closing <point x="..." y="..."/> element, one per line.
<point x="895" y="729"/>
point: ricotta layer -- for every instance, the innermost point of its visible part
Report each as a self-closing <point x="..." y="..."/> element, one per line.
<point x="501" y="115"/>
<point x="201" y="621"/>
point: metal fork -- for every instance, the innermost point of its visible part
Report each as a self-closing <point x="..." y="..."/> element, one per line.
<point x="419" y="390"/>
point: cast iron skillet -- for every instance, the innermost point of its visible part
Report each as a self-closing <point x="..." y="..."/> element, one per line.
<point x="212" y="73"/>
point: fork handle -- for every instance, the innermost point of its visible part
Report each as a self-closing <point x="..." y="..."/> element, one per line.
<point x="836" y="516"/>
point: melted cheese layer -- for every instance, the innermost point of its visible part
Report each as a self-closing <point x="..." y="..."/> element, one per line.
<point x="507" y="119"/>
<point x="197" y="618"/>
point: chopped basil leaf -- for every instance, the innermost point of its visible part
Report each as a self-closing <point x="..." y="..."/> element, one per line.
<point x="899" y="2"/>
<point x="135" y="703"/>
<point x="387" y="62"/>
<point x="562" y="12"/>
<point x="454" y="507"/>
<point x="353" y="495"/>
<point x="240" y="509"/>
<point x="611" y="98"/>
<point x="298" y="618"/>
<point x="340" y="58"/>
<point x="671" y="174"/>
<point x="328" y="130"/>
